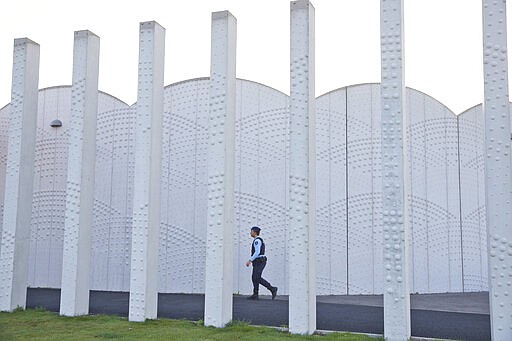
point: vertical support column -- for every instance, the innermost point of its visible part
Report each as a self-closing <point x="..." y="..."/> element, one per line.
<point x="221" y="168"/>
<point x="302" y="227"/>
<point x="74" y="296"/>
<point x="498" y="178"/>
<point x="19" y="175"/>
<point x="148" y="155"/>
<point x="397" y="318"/>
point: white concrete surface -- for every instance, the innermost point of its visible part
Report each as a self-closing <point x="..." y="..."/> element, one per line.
<point x="147" y="173"/>
<point x="80" y="176"/>
<point x="395" y="208"/>
<point x="19" y="175"/>
<point x="498" y="176"/>
<point x="302" y="173"/>
<point x="221" y="171"/>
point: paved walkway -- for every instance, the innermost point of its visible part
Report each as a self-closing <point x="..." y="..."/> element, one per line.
<point x="446" y="316"/>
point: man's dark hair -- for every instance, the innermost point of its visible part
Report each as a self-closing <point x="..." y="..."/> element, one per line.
<point x="256" y="229"/>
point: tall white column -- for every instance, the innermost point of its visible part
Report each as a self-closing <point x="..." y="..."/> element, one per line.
<point x="19" y="175"/>
<point x="221" y="170"/>
<point x="148" y="155"/>
<point x="498" y="178"/>
<point x="397" y="319"/>
<point x="74" y="296"/>
<point x="302" y="227"/>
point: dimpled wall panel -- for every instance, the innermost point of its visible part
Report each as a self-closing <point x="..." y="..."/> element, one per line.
<point x="331" y="181"/>
<point x="364" y="187"/>
<point x="261" y="190"/>
<point x="111" y="237"/>
<point x="472" y="203"/>
<point x="364" y="159"/>
<point x="453" y="197"/>
<point x="260" y="187"/>
<point x="445" y="268"/>
<point x="184" y="187"/>
<point x="49" y="189"/>
<point x="498" y="167"/>
<point x="435" y="263"/>
<point x="418" y="203"/>
<point x="183" y="229"/>
<point x="50" y="169"/>
<point x="19" y="175"/>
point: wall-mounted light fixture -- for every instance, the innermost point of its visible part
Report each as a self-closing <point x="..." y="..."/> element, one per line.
<point x="56" y="123"/>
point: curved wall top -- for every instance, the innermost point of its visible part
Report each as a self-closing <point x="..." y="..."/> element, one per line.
<point x="349" y="180"/>
<point x="446" y="255"/>
<point x="50" y="168"/>
<point x="472" y="170"/>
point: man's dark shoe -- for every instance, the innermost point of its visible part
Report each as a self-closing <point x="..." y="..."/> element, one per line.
<point x="253" y="297"/>
<point x="274" y="292"/>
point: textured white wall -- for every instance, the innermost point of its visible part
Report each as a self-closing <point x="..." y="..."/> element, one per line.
<point x="364" y="183"/>
<point x="435" y="225"/>
<point x="111" y="237"/>
<point x="439" y="129"/>
<point x="260" y="184"/>
<point x="50" y="168"/>
<point x="184" y="187"/>
<point x="331" y="198"/>
<point x="49" y="198"/>
<point x="261" y="190"/>
<point x="472" y="189"/>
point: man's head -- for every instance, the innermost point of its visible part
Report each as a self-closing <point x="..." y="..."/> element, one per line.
<point x="255" y="231"/>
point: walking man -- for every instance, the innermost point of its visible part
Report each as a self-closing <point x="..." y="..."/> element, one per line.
<point x="258" y="260"/>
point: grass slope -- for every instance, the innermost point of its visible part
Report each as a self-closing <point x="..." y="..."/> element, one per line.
<point x="43" y="325"/>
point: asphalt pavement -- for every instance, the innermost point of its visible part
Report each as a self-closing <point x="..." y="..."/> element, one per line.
<point x="444" y="316"/>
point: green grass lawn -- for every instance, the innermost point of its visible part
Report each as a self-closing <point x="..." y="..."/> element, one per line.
<point x="43" y="325"/>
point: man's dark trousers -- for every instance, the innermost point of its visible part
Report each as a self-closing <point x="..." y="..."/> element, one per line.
<point x="257" y="269"/>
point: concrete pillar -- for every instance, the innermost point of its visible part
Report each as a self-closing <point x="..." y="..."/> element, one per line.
<point x="74" y="296"/>
<point x="498" y="178"/>
<point x="302" y="227"/>
<point x="19" y="175"/>
<point x="148" y="155"/>
<point x="221" y="170"/>
<point x="397" y="319"/>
